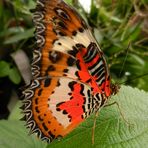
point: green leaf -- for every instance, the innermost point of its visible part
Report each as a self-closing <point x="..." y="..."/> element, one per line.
<point x="14" y="135"/>
<point x="14" y="75"/>
<point x="16" y="112"/>
<point x="12" y="30"/>
<point x="93" y="12"/>
<point x="131" y="33"/>
<point x="69" y="1"/>
<point x="111" y="130"/>
<point x="4" y="68"/>
<point x="24" y="6"/>
<point x="22" y="35"/>
<point x="137" y="59"/>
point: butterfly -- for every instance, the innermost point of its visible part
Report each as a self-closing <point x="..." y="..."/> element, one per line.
<point x="70" y="77"/>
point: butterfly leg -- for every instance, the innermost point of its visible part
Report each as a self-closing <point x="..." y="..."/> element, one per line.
<point x="93" y="128"/>
<point x="120" y="111"/>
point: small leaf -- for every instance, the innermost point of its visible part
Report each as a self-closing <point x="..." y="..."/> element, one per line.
<point x="98" y="35"/>
<point x="23" y="35"/>
<point x="69" y="1"/>
<point x="13" y="135"/>
<point x="136" y="59"/>
<point x="14" y="75"/>
<point x="12" y="30"/>
<point x="16" y="112"/>
<point x="4" y="68"/>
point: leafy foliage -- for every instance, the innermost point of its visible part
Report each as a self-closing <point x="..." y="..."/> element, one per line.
<point x="8" y="70"/>
<point x="111" y="130"/>
<point x="16" y="28"/>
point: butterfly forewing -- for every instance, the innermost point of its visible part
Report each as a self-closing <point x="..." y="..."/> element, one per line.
<point x="70" y="75"/>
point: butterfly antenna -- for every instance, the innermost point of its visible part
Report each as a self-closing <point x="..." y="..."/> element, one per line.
<point x="127" y="50"/>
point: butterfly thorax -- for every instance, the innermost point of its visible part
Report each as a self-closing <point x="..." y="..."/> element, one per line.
<point x="114" y="89"/>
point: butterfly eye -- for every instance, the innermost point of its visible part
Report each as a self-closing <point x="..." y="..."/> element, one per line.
<point x="61" y="13"/>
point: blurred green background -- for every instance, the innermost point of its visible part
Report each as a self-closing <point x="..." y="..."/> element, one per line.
<point x="120" y="27"/>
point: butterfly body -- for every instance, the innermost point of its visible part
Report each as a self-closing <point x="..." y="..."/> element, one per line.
<point x="70" y="76"/>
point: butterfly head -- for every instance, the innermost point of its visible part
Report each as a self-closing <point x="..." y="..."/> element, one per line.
<point x="114" y="89"/>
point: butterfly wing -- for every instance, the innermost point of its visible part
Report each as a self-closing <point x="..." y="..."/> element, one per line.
<point x="69" y="72"/>
<point x="67" y="32"/>
<point x="54" y="110"/>
<point x="59" y="101"/>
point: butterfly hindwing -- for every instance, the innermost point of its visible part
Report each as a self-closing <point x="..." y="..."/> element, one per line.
<point x="58" y="106"/>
